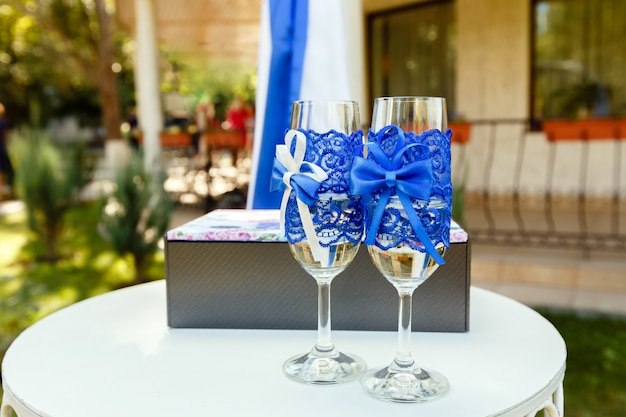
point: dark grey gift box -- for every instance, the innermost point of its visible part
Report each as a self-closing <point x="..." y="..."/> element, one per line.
<point x="231" y="269"/>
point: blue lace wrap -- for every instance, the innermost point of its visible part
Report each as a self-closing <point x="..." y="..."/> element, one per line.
<point x="405" y="183"/>
<point x="337" y="216"/>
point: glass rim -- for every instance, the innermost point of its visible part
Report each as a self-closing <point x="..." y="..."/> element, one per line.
<point x="409" y="98"/>
<point x="323" y="101"/>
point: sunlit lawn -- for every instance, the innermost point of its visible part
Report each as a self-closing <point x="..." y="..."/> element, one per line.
<point x="595" y="381"/>
<point x="29" y="289"/>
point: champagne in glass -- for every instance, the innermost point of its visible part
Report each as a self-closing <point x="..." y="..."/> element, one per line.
<point x="323" y="222"/>
<point x="407" y="223"/>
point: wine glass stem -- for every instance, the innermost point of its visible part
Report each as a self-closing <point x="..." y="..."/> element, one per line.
<point x="324" y="341"/>
<point x="404" y="357"/>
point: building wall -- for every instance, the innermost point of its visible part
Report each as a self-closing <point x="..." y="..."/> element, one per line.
<point x="493" y="55"/>
<point x="493" y="70"/>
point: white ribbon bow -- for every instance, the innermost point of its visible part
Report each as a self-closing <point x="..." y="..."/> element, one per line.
<point x="294" y="165"/>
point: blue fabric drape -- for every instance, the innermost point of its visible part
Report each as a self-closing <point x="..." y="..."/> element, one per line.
<point x="288" y="27"/>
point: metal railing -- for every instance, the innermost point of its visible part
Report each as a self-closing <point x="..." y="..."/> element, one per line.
<point x="547" y="217"/>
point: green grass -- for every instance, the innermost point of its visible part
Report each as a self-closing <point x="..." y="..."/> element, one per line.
<point x="595" y="380"/>
<point x="30" y="289"/>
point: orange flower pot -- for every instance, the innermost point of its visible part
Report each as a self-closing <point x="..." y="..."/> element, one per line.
<point x="460" y="132"/>
<point x="588" y="129"/>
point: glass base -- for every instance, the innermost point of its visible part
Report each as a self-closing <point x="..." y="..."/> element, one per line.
<point x="406" y="386"/>
<point x="324" y="369"/>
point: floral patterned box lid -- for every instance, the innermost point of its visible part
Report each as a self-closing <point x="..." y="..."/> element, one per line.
<point x="251" y="225"/>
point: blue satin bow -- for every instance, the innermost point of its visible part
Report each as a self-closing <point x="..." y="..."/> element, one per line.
<point x="369" y="176"/>
<point x="385" y="175"/>
<point x="304" y="186"/>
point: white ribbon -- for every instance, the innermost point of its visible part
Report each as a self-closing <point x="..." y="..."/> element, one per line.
<point x="294" y="165"/>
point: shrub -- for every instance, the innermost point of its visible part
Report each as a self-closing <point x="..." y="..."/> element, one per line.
<point x="136" y="214"/>
<point x="48" y="179"/>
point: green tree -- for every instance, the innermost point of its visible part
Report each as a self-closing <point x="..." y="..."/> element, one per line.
<point x="53" y="50"/>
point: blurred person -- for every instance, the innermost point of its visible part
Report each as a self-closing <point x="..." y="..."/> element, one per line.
<point x="237" y="114"/>
<point x="6" y="168"/>
<point x="237" y="118"/>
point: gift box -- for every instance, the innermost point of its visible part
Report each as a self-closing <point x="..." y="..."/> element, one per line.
<point x="233" y="269"/>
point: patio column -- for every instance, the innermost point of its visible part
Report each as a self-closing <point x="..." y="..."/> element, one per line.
<point x="150" y="117"/>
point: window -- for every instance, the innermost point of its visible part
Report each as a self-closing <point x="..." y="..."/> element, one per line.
<point x="579" y="59"/>
<point x="412" y="52"/>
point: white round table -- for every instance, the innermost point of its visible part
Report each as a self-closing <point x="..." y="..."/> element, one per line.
<point x="113" y="355"/>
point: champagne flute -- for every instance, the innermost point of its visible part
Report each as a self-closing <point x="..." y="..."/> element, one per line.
<point x="404" y="178"/>
<point x="323" y="222"/>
